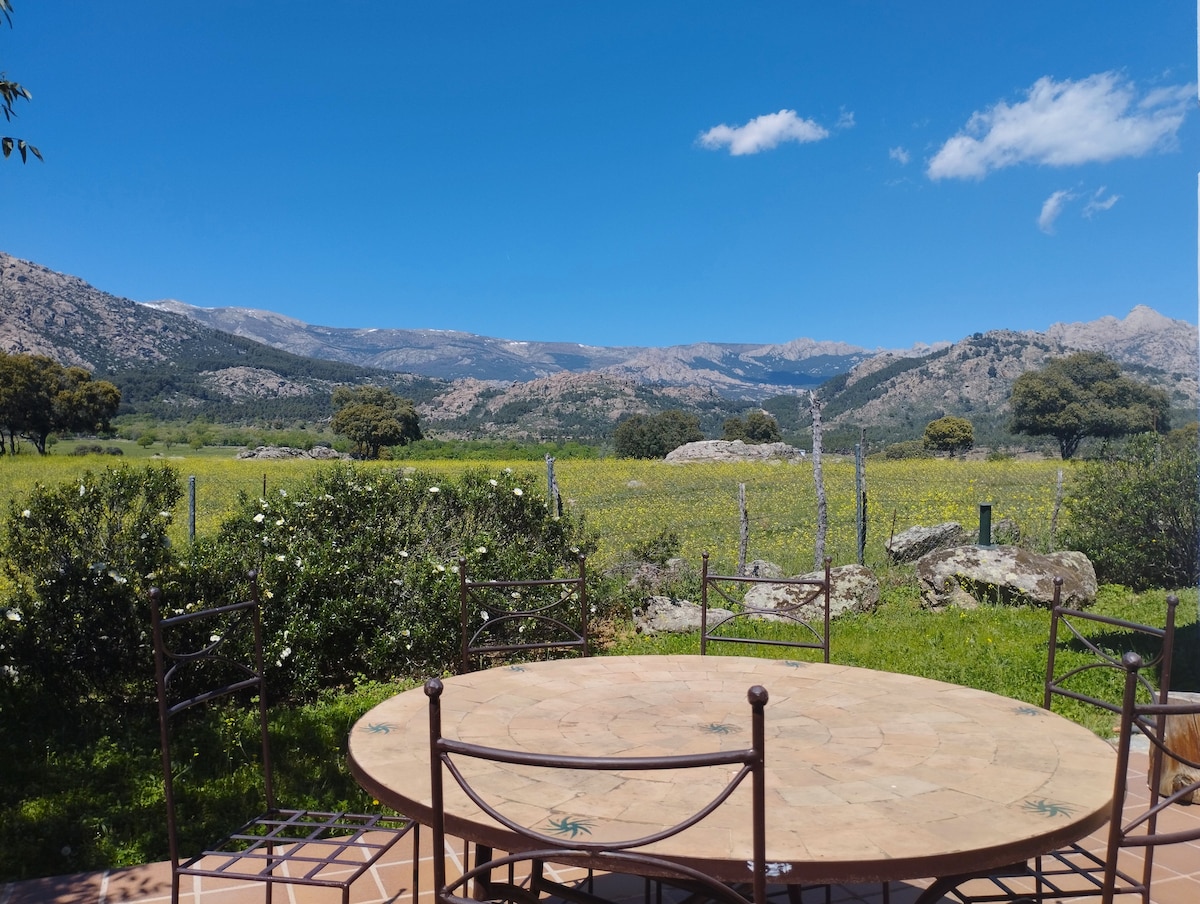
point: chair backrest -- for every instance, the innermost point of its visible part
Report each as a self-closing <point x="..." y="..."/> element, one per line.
<point x="1138" y="826"/>
<point x="504" y="617"/>
<point x="618" y="855"/>
<point x="201" y="656"/>
<point x="806" y="605"/>
<point x="1071" y="681"/>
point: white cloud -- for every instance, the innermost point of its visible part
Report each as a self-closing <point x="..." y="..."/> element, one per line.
<point x="900" y="155"/>
<point x="1098" y="203"/>
<point x="1051" y="208"/>
<point x="763" y="133"/>
<point x="1065" y="123"/>
<point x="845" y="120"/>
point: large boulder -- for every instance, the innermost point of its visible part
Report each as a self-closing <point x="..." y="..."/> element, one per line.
<point x="967" y="576"/>
<point x="909" y="545"/>
<point x="734" y="450"/>
<point x="852" y="588"/>
<point x="667" y="615"/>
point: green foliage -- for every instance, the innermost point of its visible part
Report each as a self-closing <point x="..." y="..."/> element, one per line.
<point x="949" y="434"/>
<point x="78" y="558"/>
<point x="38" y="395"/>
<point x="1085" y="394"/>
<point x="372" y="417"/>
<point x="359" y="566"/>
<point x="758" y="427"/>
<point x="1134" y="513"/>
<point x="10" y="93"/>
<point x="657" y="550"/>
<point x="653" y="436"/>
<point x="912" y="448"/>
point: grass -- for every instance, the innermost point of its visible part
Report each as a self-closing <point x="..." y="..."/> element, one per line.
<point x="1001" y="649"/>
<point x="81" y="791"/>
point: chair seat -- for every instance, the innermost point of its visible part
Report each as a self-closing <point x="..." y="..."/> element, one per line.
<point x="1069" y="872"/>
<point x="302" y="847"/>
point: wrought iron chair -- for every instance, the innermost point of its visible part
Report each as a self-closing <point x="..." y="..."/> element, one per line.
<point x="1066" y="626"/>
<point x="215" y="654"/>
<point x="1074" y="871"/>
<point x="807" y="607"/>
<point x="617" y="855"/>
<point x="503" y="617"/>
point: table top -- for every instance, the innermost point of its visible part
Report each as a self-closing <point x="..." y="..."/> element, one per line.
<point x="869" y="775"/>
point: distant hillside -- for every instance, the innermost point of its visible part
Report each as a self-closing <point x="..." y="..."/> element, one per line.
<point x="165" y="364"/>
<point x="735" y="370"/>
<point x="172" y="360"/>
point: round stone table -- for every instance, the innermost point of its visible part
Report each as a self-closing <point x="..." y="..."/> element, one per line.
<point x="869" y="775"/>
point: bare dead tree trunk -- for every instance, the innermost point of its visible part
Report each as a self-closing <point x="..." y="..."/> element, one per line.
<point x="819" y="482"/>
<point x="745" y="532"/>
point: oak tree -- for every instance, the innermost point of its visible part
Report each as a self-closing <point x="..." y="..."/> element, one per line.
<point x="372" y="417"/>
<point x="1085" y="394"/>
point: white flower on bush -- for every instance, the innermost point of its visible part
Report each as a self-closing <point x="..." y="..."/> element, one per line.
<point x="454" y="569"/>
<point x="517" y="491"/>
<point x="13" y="614"/>
<point x="26" y="513"/>
<point x="166" y="515"/>
<point x="494" y="482"/>
<point x="279" y="523"/>
<point x="283" y="492"/>
<point x="435" y="489"/>
<point x="483" y="614"/>
<point x="299" y="562"/>
<point x="258" y="519"/>
<point x="117" y="578"/>
<point x="482" y="550"/>
<point x="439" y="568"/>
<point x="281" y="558"/>
<point x="283" y="654"/>
<point x="404" y="553"/>
<point x="214" y="638"/>
<point x="82" y="490"/>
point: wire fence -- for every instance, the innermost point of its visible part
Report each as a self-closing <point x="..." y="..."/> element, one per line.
<point x="629" y="503"/>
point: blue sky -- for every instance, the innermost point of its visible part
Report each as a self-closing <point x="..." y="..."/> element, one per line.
<point x="615" y="173"/>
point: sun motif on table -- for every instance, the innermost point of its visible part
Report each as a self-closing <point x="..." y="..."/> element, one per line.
<point x="1044" y="807"/>
<point x="1028" y="711"/>
<point x="379" y="727"/>
<point x="570" y="826"/>
<point x="720" y="728"/>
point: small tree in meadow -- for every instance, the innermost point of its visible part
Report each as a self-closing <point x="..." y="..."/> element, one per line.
<point x="954" y="435"/>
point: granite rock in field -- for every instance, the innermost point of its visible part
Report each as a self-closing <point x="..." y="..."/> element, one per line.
<point x="666" y="615"/>
<point x="734" y="450"/>
<point x="283" y="453"/>
<point x="909" y="545"/>
<point x="967" y="576"/>
<point x="852" y="588"/>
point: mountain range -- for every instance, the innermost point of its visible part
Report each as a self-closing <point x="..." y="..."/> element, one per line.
<point x="171" y="358"/>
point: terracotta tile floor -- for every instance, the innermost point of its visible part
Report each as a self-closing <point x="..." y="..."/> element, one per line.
<point x="1176" y="880"/>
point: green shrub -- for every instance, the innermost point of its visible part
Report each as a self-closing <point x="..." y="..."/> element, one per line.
<point x="358" y="567"/>
<point x="78" y="558"/>
<point x="1134" y="512"/>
